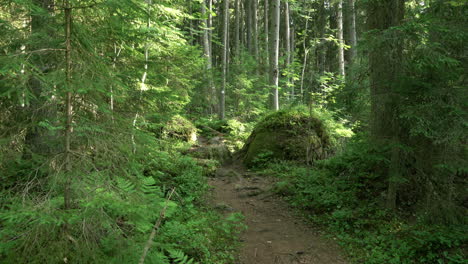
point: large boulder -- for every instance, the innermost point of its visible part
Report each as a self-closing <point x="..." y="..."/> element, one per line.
<point x="293" y="134"/>
<point x="175" y="126"/>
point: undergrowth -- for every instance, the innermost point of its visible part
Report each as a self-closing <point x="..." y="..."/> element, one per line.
<point x="115" y="204"/>
<point x="346" y="194"/>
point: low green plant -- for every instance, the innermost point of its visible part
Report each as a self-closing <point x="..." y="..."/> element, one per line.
<point x="346" y="193"/>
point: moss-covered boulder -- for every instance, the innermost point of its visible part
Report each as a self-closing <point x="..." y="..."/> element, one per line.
<point x="215" y="149"/>
<point x="175" y="126"/>
<point x="181" y="128"/>
<point x="293" y="134"/>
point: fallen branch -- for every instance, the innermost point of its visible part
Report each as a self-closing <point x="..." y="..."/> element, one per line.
<point x="155" y="228"/>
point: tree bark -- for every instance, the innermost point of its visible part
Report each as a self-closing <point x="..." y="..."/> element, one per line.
<point x="275" y="52"/>
<point x="207" y="53"/>
<point x="287" y="36"/>
<point x="237" y="30"/>
<point x="255" y="30"/>
<point x="267" y="32"/>
<point x="222" y="107"/>
<point x="352" y="31"/>
<point x="341" y="61"/>
<point x="248" y="24"/>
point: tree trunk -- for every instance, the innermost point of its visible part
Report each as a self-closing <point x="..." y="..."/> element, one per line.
<point x="384" y="65"/>
<point x="267" y="32"/>
<point x="274" y="73"/>
<point x="322" y="51"/>
<point x="352" y="31"/>
<point x="209" y="23"/>
<point x="255" y="29"/>
<point x="207" y="54"/>
<point x="341" y="61"/>
<point x="237" y="30"/>
<point x="248" y="24"/>
<point x="306" y="54"/>
<point x="222" y="107"/>
<point x="287" y="36"/>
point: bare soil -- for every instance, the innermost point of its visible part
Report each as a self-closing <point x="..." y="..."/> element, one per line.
<point x="275" y="234"/>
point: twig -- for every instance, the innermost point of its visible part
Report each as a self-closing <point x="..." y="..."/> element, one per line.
<point x="155" y="228"/>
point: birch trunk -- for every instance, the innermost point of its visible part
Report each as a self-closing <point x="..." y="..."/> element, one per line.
<point x="341" y="61"/>
<point x="275" y="52"/>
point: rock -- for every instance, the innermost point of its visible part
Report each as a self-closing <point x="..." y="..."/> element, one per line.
<point x="288" y="135"/>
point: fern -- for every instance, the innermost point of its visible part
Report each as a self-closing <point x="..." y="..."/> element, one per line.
<point x="125" y="185"/>
<point x="179" y="257"/>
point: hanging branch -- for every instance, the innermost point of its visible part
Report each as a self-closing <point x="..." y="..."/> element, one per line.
<point x="156" y="228"/>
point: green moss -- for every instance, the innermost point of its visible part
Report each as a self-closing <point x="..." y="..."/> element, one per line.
<point x="293" y="134"/>
<point x="181" y="128"/>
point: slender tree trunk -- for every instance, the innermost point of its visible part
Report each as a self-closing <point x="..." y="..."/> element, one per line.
<point x="209" y="24"/>
<point x="207" y="53"/>
<point x="255" y="29"/>
<point x="322" y="51"/>
<point x="306" y="54"/>
<point x="352" y="30"/>
<point x="145" y="74"/>
<point x="341" y="61"/>
<point x="249" y="24"/>
<point x="275" y="36"/>
<point x="267" y="43"/>
<point x="237" y="30"/>
<point x="222" y="107"/>
<point x="114" y="61"/>
<point x="287" y="36"/>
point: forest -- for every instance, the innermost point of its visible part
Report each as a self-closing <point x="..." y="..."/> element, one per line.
<point x="233" y="131"/>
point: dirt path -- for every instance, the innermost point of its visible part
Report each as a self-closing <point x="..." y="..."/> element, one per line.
<point x="274" y="234"/>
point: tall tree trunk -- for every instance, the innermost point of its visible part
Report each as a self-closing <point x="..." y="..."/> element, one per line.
<point x="144" y="76"/>
<point x="287" y="36"/>
<point x="275" y="36"/>
<point x="222" y="107"/>
<point x="114" y="61"/>
<point x="249" y="24"/>
<point x="209" y="24"/>
<point x="384" y="65"/>
<point x="255" y="29"/>
<point x="267" y="32"/>
<point x="341" y="61"/>
<point x="237" y="30"/>
<point x="306" y="54"/>
<point x="352" y="31"/>
<point x="322" y="50"/>
<point x="207" y="53"/>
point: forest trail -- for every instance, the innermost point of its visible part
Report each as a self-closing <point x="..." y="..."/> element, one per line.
<point x="274" y="235"/>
